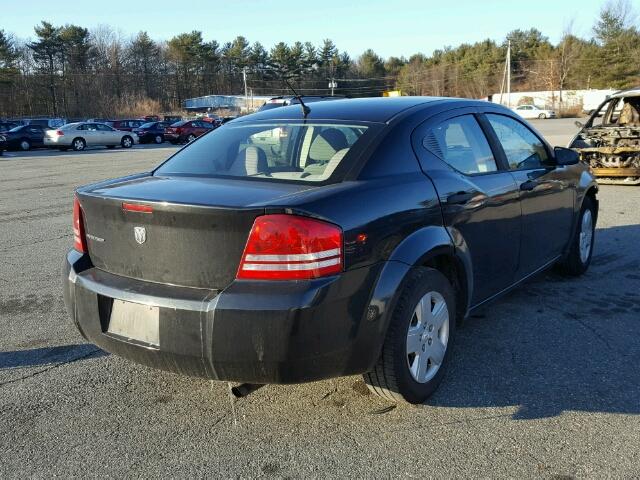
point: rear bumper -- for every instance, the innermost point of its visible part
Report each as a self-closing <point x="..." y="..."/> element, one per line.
<point x="259" y="332"/>
<point x="56" y="142"/>
<point x="172" y="137"/>
<point x="147" y="137"/>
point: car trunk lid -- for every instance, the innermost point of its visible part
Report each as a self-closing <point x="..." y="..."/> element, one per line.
<point x="182" y="231"/>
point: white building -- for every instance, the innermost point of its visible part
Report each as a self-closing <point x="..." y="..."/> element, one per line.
<point x="588" y="100"/>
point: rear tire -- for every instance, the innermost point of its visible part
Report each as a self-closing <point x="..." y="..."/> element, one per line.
<point x="126" y="142"/>
<point x="191" y="138"/>
<point x="24" y="144"/>
<point x="419" y="339"/>
<point x="78" y="144"/>
<point x="580" y="252"/>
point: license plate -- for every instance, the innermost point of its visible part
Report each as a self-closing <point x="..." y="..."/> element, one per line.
<point x="135" y="321"/>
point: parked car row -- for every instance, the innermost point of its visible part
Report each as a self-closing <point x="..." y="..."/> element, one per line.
<point x="56" y="133"/>
<point x="80" y="135"/>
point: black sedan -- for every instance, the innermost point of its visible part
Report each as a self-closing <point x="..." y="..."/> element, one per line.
<point x="25" y="137"/>
<point x="151" y="132"/>
<point x="291" y="246"/>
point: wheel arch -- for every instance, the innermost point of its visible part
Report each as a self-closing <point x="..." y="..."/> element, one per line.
<point x="428" y="247"/>
<point x="592" y="193"/>
<point x="433" y="247"/>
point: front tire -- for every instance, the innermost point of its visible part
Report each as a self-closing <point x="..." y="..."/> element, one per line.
<point x="580" y="252"/>
<point x="78" y="144"/>
<point x="418" y="343"/>
<point x="126" y="142"/>
<point x="542" y="116"/>
<point x="158" y="139"/>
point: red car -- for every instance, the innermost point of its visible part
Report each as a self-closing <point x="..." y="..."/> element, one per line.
<point x="187" y="130"/>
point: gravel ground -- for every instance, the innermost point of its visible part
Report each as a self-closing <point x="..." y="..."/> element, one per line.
<point x="544" y="382"/>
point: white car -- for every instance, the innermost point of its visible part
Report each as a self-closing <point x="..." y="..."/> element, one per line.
<point x="531" y="111"/>
<point x="80" y="135"/>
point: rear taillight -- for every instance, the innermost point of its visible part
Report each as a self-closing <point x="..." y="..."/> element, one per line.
<point x="59" y="133"/>
<point x="289" y="247"/>
<point x="79" y="237"/>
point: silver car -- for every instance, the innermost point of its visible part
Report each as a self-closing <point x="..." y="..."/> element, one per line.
<point x="532" y="111"/>
<point x="79" y="136"/>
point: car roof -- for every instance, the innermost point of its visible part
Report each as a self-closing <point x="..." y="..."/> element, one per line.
<point x="629" y="92"/>
<point x="376" y="109"/>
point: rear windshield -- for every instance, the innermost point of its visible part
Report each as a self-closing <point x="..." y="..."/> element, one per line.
<point x="309" y="152"/>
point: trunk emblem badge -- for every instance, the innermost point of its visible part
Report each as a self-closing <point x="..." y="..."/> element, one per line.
<point x="141" y="234"/>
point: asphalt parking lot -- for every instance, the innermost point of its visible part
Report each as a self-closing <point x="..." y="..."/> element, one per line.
<point x="544" y="383"/>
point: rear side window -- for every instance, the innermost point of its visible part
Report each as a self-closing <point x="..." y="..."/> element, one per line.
<point x="523" y="149"/>
<point x="308" y="152"/>
<point x="461" y="143"/>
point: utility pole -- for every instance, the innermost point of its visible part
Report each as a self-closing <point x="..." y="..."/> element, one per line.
<point x="246" y="96"/>
<point x="509" y="74"/>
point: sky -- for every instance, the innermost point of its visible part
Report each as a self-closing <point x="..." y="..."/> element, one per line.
<point x="390" y="28"/>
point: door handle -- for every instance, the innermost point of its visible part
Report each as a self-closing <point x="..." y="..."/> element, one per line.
<point x="459" y="198"/>
<point x="528" y="185"/>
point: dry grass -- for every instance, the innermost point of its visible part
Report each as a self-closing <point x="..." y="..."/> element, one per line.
<point x="135" y="106"/>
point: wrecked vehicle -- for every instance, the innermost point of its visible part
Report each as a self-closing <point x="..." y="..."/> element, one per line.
<point x="610" y="140"/>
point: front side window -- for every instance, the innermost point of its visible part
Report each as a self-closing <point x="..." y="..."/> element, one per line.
<point x="308" y="152"/>
<point x="461" y="143"/>
<point x="523" y="149"/>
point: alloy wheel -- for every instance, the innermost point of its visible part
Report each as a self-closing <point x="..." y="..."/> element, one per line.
<point x="586" y="235"/>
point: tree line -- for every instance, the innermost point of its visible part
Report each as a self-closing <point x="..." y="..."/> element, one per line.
<point x="75" y="72"/>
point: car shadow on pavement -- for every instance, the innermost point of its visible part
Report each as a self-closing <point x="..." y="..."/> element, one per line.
<point x="557" y="344"/>
<point x="48" y="356"/>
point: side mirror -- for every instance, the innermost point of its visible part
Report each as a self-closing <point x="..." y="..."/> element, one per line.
<point x="566" y="156"/>
<point x="578" y="124"/>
